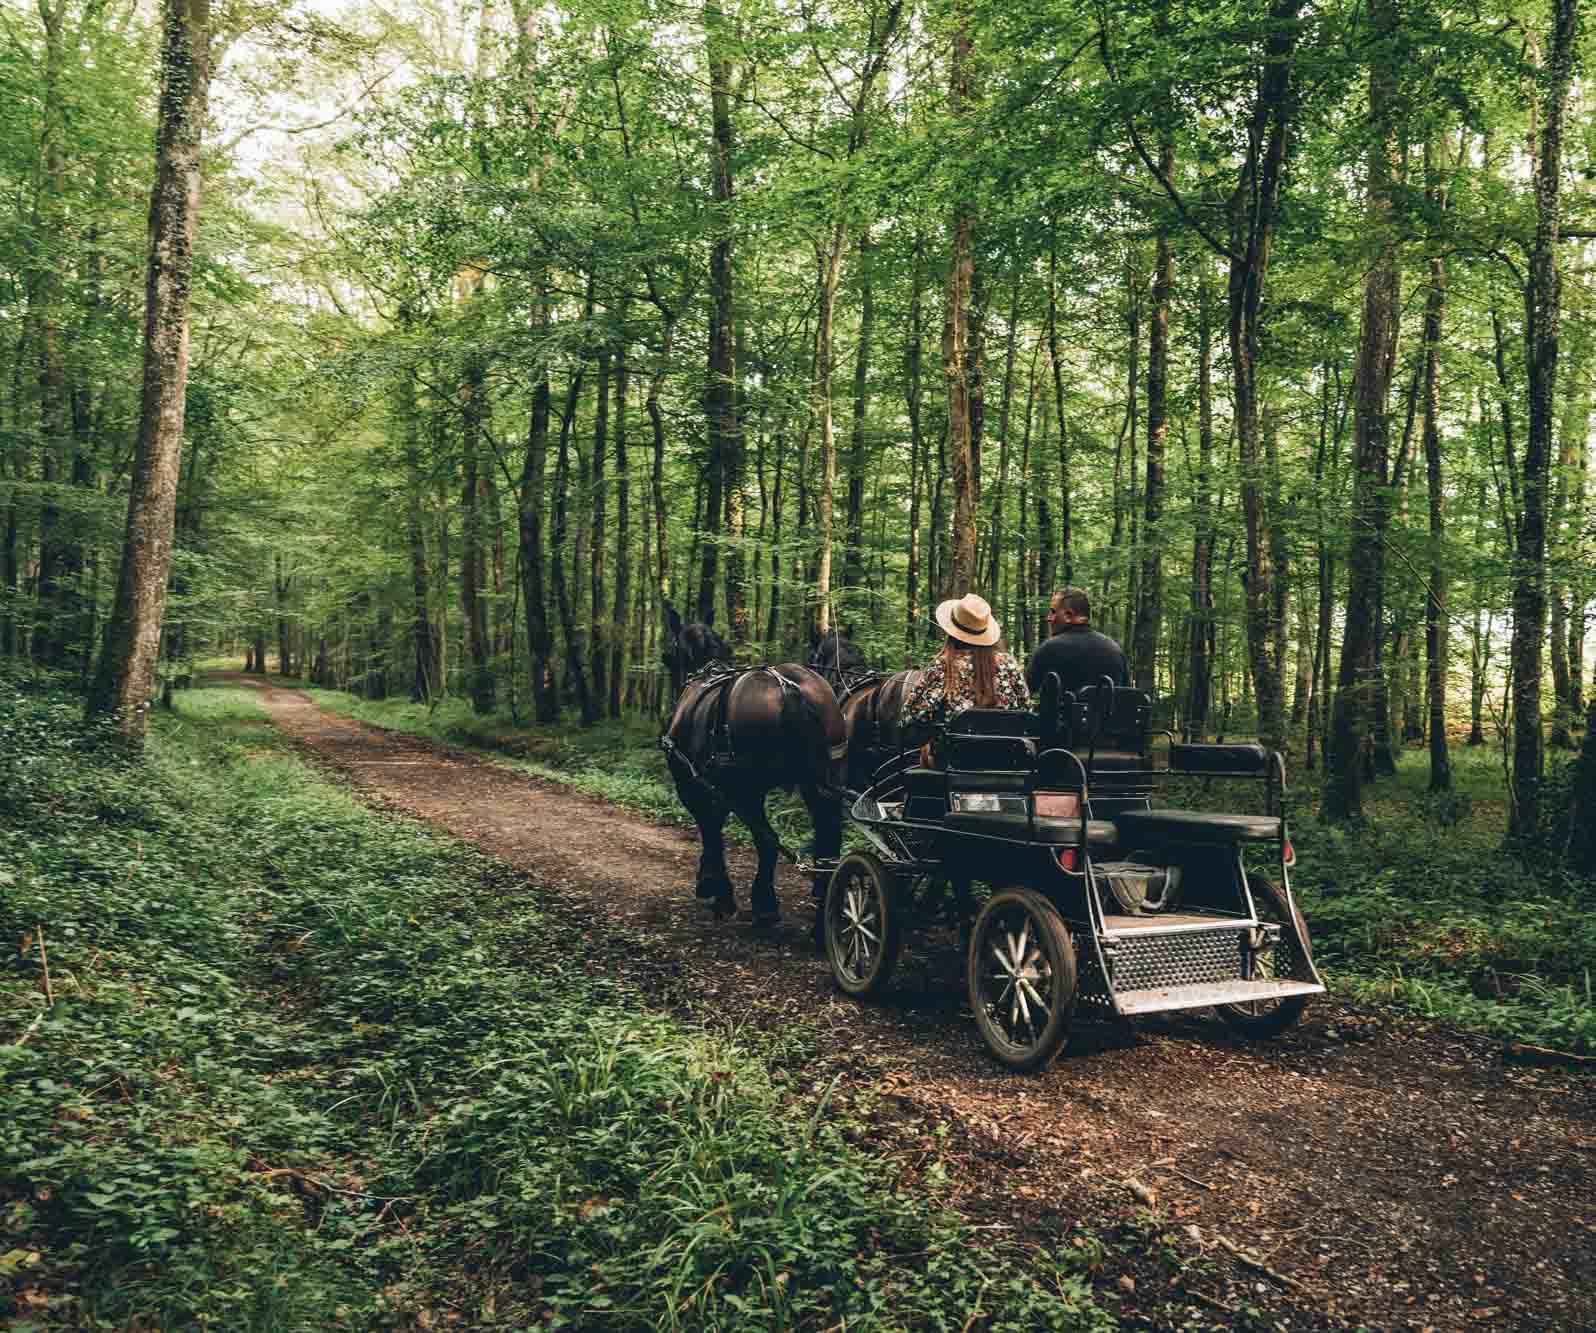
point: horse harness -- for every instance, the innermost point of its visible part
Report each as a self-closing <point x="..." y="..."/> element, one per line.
<point x="719" y="681"/>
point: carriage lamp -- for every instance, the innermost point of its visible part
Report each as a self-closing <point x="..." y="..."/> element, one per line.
<point x="1068" y="859"/>
<point x="1288" y="854"/>
<point x="985" y="802"/>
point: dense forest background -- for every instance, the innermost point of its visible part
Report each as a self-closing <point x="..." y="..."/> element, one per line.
<point x="1271" y="325"/>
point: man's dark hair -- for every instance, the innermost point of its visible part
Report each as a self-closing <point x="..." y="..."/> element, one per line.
<point x="1075" y="601"/>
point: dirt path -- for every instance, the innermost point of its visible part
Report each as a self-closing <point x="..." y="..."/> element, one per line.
<point x="1373" y="1171"/>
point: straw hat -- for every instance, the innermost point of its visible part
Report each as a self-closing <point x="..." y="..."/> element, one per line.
<point x="970" y="620"/>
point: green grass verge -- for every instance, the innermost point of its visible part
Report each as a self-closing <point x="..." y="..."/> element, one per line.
<point x="1420" y="907"/>
<point x="310" y="1066"/>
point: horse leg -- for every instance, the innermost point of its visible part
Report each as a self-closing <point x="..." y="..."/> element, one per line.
<point x="826" y="812"/>
<point x="762" y="896"/>
<point x="714" y="884"/>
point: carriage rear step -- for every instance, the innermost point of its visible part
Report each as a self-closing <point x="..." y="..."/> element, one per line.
<point x="1164" y="998"/>
<point x="1172" y="922"/>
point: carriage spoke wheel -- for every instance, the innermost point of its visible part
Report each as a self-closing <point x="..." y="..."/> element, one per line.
<point x="1022" y="978"/>
<point x="862" y="927"/>
<point x="1269" y="1018"/>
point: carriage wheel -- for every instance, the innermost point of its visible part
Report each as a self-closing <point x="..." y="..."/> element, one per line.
<point x="1022" y="978"/>
<point x="1269" y="1018"/>
<point x="863" y="930"/>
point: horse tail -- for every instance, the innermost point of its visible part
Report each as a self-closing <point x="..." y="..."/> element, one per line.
<point x="807" y="715"/>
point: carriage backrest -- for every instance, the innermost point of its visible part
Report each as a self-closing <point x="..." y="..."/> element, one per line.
<point x="1084" y="726"/>
<point x="981" y="744"/>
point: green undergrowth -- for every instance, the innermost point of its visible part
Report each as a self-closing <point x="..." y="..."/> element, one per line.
<point x="1418" y="907"/>
<point x="311" y="1066"/>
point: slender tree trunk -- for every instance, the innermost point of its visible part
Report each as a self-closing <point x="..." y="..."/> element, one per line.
<point x="956" y="344"/>
<point x="725" y="430"/>
<point x="1343" y="792"/>
<point x="534" y="472"/>
<point x="473" y="559"/>
<point x="1150" y="601"/>
<point x="853" y="566"/>
<point x="598" y="636"/>
<point x="122" y="684"/>
<point x="1435" y="637"/>
<point x="570" y="628"/>
<point x="1254" y="209"/>
<point x="1066" y="556"/>
<point x="1200" y="653"/>
<point x="623" y="532"/>
<point x="912" y="362"/>
<point x="1542" y="313"/>
<point x="828" y="267"/>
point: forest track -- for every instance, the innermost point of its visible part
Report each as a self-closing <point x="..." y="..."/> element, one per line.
<point x="1371" y="1170"/>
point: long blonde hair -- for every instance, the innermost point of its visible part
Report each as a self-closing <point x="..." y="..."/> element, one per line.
<point x="983" y="668"/>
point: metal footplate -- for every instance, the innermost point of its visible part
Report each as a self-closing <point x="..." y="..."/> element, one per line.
<point x="1167" y="998"/>
<point x="1191" y="961"/>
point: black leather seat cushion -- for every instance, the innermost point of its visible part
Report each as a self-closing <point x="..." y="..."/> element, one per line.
<point x="1052" y="832"/>
<point x="1245" y="760"/>
<point x="925" y="782"/>
<point x="1195" y="826"/>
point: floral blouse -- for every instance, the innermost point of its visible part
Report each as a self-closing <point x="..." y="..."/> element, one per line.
<point x="930" y="702"/>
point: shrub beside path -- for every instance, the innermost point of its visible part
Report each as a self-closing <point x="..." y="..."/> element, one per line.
<point x="1365" y="1170"/>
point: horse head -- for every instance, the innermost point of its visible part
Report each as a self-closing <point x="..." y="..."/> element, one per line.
<point x="835" y="655"/>
<point x="689" y="647"/>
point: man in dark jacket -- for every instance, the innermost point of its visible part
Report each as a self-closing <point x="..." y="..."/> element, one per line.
<point x="1076" y="652"/>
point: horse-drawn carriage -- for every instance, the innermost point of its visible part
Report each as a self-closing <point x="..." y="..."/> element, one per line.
<point x="1103" y="902"/>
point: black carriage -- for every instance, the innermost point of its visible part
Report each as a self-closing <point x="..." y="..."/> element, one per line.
<point x="1105" y="902"/>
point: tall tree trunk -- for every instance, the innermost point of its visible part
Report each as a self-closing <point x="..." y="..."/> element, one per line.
<point x="853" y="565"/>
<point x="912" y="354"/>
<point x="725" y="430"/>
<point x="1254" y="210"/>
<point x="990" y="570"/>
<point x="473" y="558"/>
<point x="286" y="665"/>
<point x="955" y="342"/>
<point x="598" y="636"/>
<point x="1200" y="654"/>
<point x="828" y="269"/>
<point x="1542" y="313"/>
<point x="530" y="504"/>
<point x="423" y="681"/>
<point x="1343" y="792"/>
<point x="1066" y="557"/>
<point x="1435" y="637"/>
<point x="1150" y="601"/>
<point x="623" y="531"/>
<point x="570" y="628"/>
<point x="123" y="681"/>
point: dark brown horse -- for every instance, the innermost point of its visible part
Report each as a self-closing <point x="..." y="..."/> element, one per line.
<point x="872" y="705"/>
<point x="733" y="737"/>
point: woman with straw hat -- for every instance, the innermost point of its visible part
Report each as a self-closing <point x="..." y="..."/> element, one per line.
<point x="969" y="671"/>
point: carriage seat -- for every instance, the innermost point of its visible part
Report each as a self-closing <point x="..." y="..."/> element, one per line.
<point x="1141" y="827"/>
<point x="1049" y="832"/>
